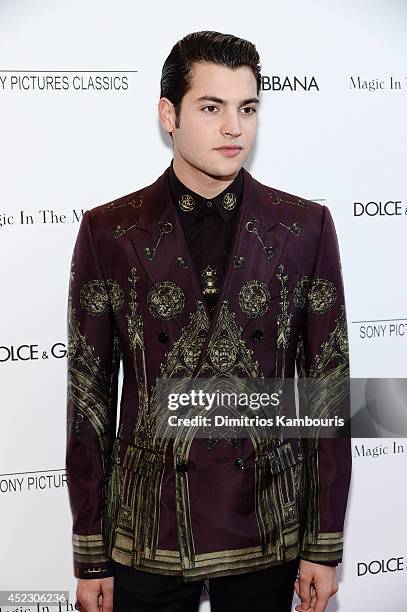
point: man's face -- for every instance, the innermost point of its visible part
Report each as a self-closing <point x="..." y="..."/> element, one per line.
<point x="218" y="112"/>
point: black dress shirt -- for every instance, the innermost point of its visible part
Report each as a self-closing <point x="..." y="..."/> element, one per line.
<point x="208" y="225"/>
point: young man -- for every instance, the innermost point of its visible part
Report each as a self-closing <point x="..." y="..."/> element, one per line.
<point x="206" y="272"/>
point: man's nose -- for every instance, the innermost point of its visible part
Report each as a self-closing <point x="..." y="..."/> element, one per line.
<point x="231" y="125"/>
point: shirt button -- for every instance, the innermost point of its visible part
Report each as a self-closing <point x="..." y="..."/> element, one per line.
<point x="209" y="203"/>
<point x="163" y="337"/>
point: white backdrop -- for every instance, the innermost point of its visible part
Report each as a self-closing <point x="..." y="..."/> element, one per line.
<point x="71" y="148"/>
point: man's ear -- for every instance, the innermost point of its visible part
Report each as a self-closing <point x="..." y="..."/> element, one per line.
<point x="166" y="113"/>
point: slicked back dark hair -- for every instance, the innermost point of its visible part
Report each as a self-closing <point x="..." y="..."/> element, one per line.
<point x="205" y="46"/>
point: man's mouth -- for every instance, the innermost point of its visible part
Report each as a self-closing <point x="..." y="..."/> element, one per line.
<point x="229" y="150"/>
<point x="231" y="147"/>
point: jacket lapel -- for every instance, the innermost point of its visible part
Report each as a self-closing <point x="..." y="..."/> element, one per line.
<point x="257" y="206"/>
<point x="171" y="260"/>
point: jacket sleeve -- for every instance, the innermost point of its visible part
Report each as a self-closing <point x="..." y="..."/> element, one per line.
<point x="92" y="379"/>
<point x="323" y="357"/>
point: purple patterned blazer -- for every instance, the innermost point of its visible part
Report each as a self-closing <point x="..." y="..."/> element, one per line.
<point x="178" y="506"/>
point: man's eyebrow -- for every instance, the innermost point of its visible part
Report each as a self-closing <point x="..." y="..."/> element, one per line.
<point x="220" y="101"/>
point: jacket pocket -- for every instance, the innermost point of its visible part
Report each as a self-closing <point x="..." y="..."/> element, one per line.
<point x="283" y="465"/>
<point x="138" y="470"/>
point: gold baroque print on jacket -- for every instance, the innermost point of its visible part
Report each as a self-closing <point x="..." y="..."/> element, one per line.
<point x="333" y="359"/>
<point x="208" y="275"/>
<point x="95" y="294"/>
<point x="228" y="332"/>
<point x="88" y="386"/>
<point x="276" y="199"/>
<point x="89" y="549"/>
<point x="300" y="294"/>
<point x="254" y="298"/>
<point x="314" y="293"/>
<point x="283" y="323"/>
<point x="165" y="300"/>
<point x="321" y="296"/>
<point x="92" y="396"/>
<point x="134" y="488"/>
<point x="276" y="497"/>
<point x="135" y="329"/>
<point x="268" y="492"/>
<point x="135" y="203"/>
<point x="181" y="362"/>
<point x="135" y="485"/>
<point x="223" y="354"/>
<point x="329" y="369"/>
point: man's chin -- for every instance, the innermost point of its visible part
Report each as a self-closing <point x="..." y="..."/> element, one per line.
<point x="223" y="171"/>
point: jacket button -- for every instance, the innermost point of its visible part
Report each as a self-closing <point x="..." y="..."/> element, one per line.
<point x="257" y="334"/>
<point x="241" y="462"/>
<point x="163" y="337"/>
<point x="181" y="468"/>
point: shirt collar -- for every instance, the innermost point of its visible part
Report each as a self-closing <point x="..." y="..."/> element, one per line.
<point x="189" y="203"/>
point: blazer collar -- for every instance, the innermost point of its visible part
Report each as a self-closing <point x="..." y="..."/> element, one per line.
<point x="155" y="202"/>
<point x="156" y="209"/>
<point x="189" y="203"/>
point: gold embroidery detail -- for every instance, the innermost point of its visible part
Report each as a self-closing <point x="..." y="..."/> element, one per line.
<point x="186" y="202"/>
<point x="298" y="201"/>
<point x="209" y="275"/>
<point x="135" y="328"/>
<point x="219" y="563"/>
<point x="314" y="293"/>
<point x="223" y="354"/>
<point x="253" y="226"/>
<point x="294" y="228"/>
<point x="89" y="388"/>
<point x="300" y="294"/>
<point x="94" y="297"/>
<point x="165" y="300"/>
<point x="254" y="298"/>
<point x="328" y="546"/>
<point x="277" y="520"/>
<point x="283" y="323"/>
<point x="330" y="368"/>
<point x="91" y="394"/>
<point x="88" y="549"/>
<point x="134" y="487"/>
<point x="136" y="202"/>
<point x="165" y="227"/>
<point x="185" y="352"/>
<point x="321" y="296"/>
<point x="229" y="201"/>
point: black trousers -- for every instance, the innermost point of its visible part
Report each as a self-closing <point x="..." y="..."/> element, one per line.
<point x="269" y="590"/>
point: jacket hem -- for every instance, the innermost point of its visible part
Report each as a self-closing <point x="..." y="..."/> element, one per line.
<point x="208" y="565"/>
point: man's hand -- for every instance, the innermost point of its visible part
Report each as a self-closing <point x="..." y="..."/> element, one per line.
<point x="316" y="584"/>
<point x="95" y="595"/>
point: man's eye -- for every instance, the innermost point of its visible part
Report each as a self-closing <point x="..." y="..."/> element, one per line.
<point x="211" y="107"/>
<point x="249" y="108"/>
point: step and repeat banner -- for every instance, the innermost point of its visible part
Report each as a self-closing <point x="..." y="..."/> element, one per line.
<point x="79" y="87"/>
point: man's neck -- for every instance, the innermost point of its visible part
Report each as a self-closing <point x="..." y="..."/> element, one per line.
<point x="204" y="184"/>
